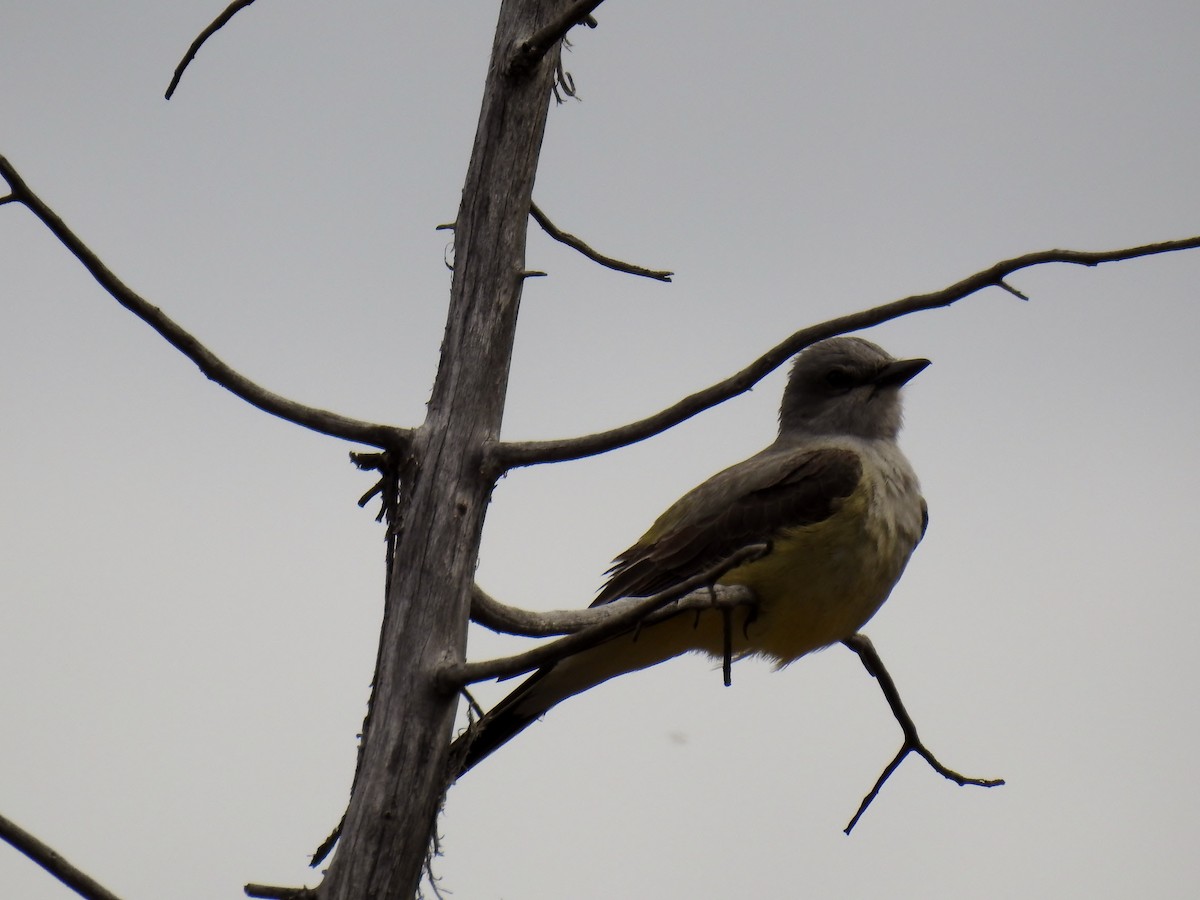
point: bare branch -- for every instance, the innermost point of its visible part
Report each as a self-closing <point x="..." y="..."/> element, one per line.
<point x="272" y="892"/>
<point x="871" y="660"/>
<point x="326" y="846"/>
<point x="455" y="677"/>
<point x="530" y="51"/>
<point x="510" y="455"/>
<point x="217" y="24"/>
<point x="1020" y="295"/>
<point x="50" y="860"/>
<point x="489" y="612"/>
<point x="215" y="369"/>
<point x="499" y="617"/>
<point x="572" y="241"/>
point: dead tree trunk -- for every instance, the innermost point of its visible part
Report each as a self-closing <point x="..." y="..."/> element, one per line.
<point x="445" y="491"/>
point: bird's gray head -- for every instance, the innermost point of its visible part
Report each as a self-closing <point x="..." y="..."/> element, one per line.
<point x="845" y="385"/>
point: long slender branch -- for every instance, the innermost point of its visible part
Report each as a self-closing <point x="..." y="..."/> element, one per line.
<point x="215" y="369"/>
<point x="217" y="24"/>
<point x="873" y="663"/>
<point x="456" y="677"/>
<point x="499" y="617"/>
<point x="530" y="51"/>
<point x="511" y="455"/>
<point x="52" y="861"/>
<point x="576" y="243"/>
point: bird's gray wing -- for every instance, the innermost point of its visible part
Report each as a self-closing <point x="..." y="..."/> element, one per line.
<point x="748" y="503"/>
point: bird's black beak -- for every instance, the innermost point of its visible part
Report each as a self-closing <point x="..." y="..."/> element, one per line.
<point x="898" y="373"/>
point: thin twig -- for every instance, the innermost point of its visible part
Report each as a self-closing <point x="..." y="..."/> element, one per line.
<point x="52" y="861"/>
<point x="727" y="645"/>
<point x="871" y="660"/>
<point x="595" y="256"/>
<point x="274" y="892"/>
<point x="474" y="710"/>
<point x="455" y="677"/>
<point x="215" y="369"/>
<point x="326" y="846"/>
<point x="530" y="51"/>
<point x="1020" y="295"/>
<point x="217" y="24"/>
<point x="499" y="617"/>
<point x="510" y="455"/>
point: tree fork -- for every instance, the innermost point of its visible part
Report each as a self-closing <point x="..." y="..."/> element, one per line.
<point x="400" y="783"/>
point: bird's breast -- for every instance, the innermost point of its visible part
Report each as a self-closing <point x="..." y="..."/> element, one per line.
<point x="820" y="583"/>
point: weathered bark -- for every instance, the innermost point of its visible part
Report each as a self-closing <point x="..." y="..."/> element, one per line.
<point x="403" y="767"/>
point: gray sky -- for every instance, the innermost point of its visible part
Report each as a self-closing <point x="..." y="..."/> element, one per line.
<point x="191" y="598"/>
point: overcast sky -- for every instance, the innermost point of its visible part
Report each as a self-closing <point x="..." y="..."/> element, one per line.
<point x="191" y="598"/>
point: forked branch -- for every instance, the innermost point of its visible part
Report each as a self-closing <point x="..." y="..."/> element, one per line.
<point x="512" y="455"/>
<point x="871" y="660"/>
<point x="321" y="420"/>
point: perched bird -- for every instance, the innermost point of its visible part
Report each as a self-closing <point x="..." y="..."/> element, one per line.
<point x="834" y="500"/>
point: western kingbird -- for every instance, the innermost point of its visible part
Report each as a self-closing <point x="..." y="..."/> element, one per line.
<point x="834" y="499"/>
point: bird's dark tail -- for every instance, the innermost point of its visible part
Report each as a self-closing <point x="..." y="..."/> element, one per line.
<point x="548" y="687"/>
<point x="499" y="725"/>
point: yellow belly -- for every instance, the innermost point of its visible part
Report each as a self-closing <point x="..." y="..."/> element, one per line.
<point x="819" y="584"/>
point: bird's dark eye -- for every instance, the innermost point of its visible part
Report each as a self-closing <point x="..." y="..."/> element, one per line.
<point x="839" y="379"/>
